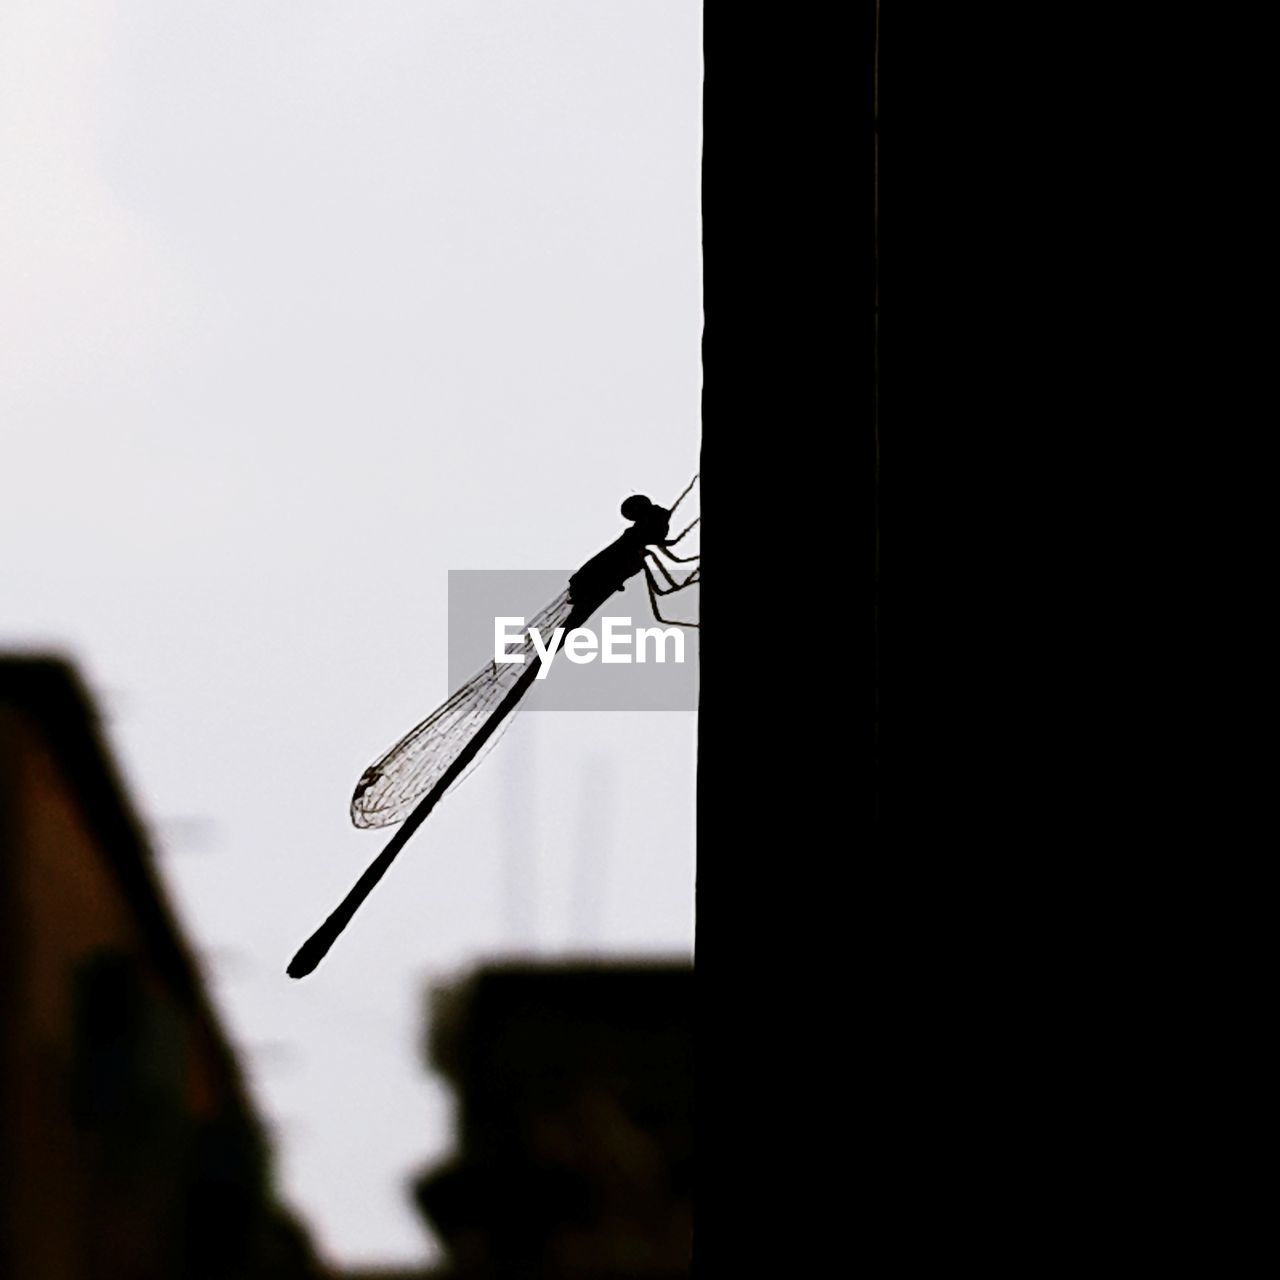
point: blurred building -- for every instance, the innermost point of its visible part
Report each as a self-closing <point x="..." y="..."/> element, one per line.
<point x="128" y="1146"/>
<point x="575" y="1120"/>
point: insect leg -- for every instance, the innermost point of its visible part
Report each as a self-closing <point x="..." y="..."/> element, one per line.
<point x="674" y="585"/>
<point x="684" y="494"/>
<point x="675" y="559"/>
<point x="671" y="542"/>
<point x="655" y="592"/>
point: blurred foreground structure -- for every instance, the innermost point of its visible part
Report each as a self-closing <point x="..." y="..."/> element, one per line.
<point x="128" y="1147"/>
<point x="575" y="1122"/>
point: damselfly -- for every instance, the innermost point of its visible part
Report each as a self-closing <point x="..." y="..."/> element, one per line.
<point x="406" y="782"/>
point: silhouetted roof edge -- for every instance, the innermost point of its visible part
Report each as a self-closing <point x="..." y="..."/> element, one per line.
<point x="48" y="689"/>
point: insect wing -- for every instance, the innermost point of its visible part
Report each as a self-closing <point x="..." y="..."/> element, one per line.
<point x="391" y="786"/>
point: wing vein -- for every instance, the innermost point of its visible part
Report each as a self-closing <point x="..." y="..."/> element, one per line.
<point x="391" y="786"/>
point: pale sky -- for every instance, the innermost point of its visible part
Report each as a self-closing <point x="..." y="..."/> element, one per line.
<point x="302" y="306"/>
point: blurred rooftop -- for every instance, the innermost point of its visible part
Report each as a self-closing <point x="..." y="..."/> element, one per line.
<point x="129" y="1146"/>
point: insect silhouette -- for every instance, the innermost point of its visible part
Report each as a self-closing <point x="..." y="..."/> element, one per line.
<point x="406" y="782"/>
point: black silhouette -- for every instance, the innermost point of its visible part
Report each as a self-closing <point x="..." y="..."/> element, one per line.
<point x="411" y="777"/>
<point x="574" y="1086"/>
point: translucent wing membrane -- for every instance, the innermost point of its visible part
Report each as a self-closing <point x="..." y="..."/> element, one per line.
<point x="395" y="782"/>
